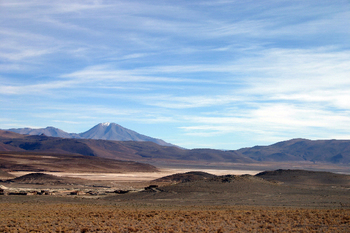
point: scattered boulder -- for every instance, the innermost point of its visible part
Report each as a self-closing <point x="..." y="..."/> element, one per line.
<point x="93" y="193"/>
<point x="153" y="188"/>
<point x="77" y="193"/>
<point x="121" y="191"/>
<point x="44" y="192"/>
<point x="224" y="179"/>
<point x="32" y="193"/>
<point x="20" y="193"/>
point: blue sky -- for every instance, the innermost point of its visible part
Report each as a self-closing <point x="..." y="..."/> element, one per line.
<point x="220" y="74"/>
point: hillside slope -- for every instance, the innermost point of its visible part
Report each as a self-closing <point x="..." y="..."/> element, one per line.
<point x="336" y="152"/>
<point x="120" y="150"/>
<point x="48" y="131"/>
<point x="329" y="151"/>
<point x="306" y="177"/>
<point x="51" y="162"/>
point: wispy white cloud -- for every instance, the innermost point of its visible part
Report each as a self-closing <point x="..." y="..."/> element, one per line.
<point x="36" y="89"/>
<point x="105" y="73"/>
<point x="272" y="122"/>
<point x="12" y="47"/>
<point x="189" y="101"/>
<point x="221" y="69"/>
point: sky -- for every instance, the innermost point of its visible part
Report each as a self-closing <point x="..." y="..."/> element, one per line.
<point x="221" y="74"/>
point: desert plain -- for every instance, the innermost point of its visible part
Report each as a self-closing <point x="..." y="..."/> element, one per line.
<point x="176" y="200"/>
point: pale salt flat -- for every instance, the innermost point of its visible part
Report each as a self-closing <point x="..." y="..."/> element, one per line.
<point x="140" y="176"/>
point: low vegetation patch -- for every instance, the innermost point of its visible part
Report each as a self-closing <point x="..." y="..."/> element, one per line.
<point x="35" y="217"/>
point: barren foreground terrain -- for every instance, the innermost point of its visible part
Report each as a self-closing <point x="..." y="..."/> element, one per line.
<point x="88" y="217"/>
<point x="275" y="201"/>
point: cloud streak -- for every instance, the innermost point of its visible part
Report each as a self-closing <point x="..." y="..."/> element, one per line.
<point x="219" y="73"/>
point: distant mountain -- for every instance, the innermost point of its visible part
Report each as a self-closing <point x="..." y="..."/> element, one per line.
<point x="105" y="131"/>
<point x="305" y="177"/>
<point x="8" y="134"/>
<point x="329" y="151"/>
<point x="134" y="149"/>
<point x="48" y="131"/>
<point x="117" y="150"/>
<point x="115" y="132"/>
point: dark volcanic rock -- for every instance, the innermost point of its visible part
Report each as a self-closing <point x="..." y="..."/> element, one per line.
<point x="38" y="178"/>
<point x="305" y="177"/>
<point x="185" y="177"/>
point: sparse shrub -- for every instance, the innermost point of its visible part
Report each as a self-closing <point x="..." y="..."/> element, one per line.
<point x="93" y="218"/>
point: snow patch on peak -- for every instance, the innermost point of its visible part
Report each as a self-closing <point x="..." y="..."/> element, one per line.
<point x="105" y="124"/>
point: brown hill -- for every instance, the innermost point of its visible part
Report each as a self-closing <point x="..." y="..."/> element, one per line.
<point x="329" y="151"/>
<point x="43" y="143"/>
<point x="45" y="179"/>
<point x="38" y="178"/>
<point x="148" y="150"/>
<point x="185" y="177"/>
<point x="39" y="162"/>
<point x="9" y="134"/>
<point x="219" y="190"/>
<point x="304" y="177"/>
<point x="240" y="190"/>
<point x="6" y="147"/>
<point x="5" y="175"/>
<point x="128" y="150"/>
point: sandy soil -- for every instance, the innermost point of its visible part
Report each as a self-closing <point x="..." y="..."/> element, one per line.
<point x="139" y="176"/>
<point x="80" y="217"/>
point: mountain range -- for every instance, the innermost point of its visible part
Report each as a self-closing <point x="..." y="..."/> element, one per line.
<point x="120" y="150"/>
<point x="105" y="131"/>
<point x="330" y="151"/>
<point x="295" y="150"/>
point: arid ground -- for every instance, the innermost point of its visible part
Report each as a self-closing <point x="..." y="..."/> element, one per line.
<point x="92" y="217"/>
<point x="276" y="201"/>
<point x="42" y="192"/>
